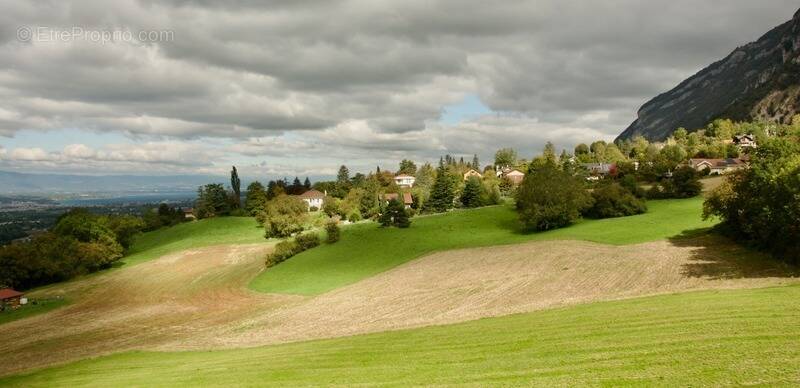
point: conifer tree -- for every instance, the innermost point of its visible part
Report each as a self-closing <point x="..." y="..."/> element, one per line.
<point x="236" y="185"/>
<point x="442" y="192"/>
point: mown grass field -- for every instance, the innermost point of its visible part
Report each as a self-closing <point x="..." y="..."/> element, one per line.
<point x="202" y="233"/>
<point x="366" y="249"/>
<point x="702" y="338"/>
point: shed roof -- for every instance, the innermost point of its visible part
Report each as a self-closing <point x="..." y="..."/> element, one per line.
<point x="8" y="293"/>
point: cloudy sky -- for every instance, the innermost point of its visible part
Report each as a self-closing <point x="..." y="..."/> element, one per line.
<point x="297" y="87"/>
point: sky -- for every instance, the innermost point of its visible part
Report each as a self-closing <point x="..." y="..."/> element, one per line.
<point x="299" y="87"/>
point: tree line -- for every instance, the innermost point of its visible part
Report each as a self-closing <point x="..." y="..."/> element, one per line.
<point x="760" y="205"/>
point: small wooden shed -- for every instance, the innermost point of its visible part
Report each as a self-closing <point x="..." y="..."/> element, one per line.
<point x="10" y="298"/>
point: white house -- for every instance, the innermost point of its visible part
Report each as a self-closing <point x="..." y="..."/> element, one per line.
<point x="404" y="180"/>
<point x="717" y="166"/>
<point x="313" y="198"/>
<point x="745" y="141"/>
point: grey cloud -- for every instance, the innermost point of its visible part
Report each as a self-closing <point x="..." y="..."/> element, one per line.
<point x="252" y="69"/>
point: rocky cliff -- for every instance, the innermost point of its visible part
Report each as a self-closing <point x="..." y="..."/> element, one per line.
<point x="760" y="80"/>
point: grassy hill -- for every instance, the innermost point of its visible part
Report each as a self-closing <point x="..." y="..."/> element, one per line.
<point x="213" y="231"/>
<point x="702" y="338"/>
<point x="366" y="249"/>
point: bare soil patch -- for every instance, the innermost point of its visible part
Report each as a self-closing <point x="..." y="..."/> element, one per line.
<point x="468" y="284"/>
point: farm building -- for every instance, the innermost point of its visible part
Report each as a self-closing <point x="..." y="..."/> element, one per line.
<point x="313" y="198"/>
<point x="717" y="166"/>
<point x="472" y="173"/>
<point x="10" y="298"/>
<point x="408" y="200"/>
<point x="404" y="180"/>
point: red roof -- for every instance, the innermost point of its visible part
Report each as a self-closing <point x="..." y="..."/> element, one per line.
<point x="8" y="293"/>
<point x="407" y="198"/>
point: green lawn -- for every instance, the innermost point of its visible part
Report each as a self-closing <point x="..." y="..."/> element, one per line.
<point x="213" y="231"/>
<point x="707" y="338"/>
<point x="31" y="309"/>
<point x="367" y="249"/>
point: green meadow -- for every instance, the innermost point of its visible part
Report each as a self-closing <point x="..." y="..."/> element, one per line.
<point x="213" y="231"/>
<point x="366" y="249"/>
<point x="711" y="338"/>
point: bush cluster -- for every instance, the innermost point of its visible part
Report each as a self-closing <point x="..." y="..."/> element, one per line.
<point x="684" y="183"/>
<point x="332" y="230"/>
<point x="80" y="243"/>
<point x="613" y="200"/>
<point x="550" y="198"/>
<point x="288" y="248"/>
<point x="395" y="214"/>
<point x="283" y="216"/>
<point x="761" y="205"/>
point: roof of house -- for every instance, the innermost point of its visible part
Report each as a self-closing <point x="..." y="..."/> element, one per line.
<point x="515" y="172"/>
<point x="472" y="172"/>
<point x="312" y="194"/>
<point x="407" y="198"/>
<point x="404" y="176"/>
<point x="717" y="162"/>
<point x="7" y="293"/>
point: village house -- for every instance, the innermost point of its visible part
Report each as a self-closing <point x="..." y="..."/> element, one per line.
<point x="408" y="200"/>
<point x="514" y="175"/>
<point x="745" y="141"/>
<point x="404" y="180"/>
<point x="10" y="298"/>
<point x="189" y="214"/>
<point x="598" y="170"/>
<point x="472" y="173"/>
<point x="717" y="166"/>
<point x="313" y="199"/>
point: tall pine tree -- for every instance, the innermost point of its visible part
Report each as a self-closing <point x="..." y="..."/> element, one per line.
<point x="442" y="192"/>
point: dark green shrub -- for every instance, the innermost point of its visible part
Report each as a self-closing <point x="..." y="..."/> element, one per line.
<point x="283" y="251"/>
<point x="630" y="183"/>
<point x="471" y="195"/>
<point x="683" y="183"/>
<point x="288" y="248"/>
<point x="612" y="200"/>
<point x="395" y="214"/>
<point x="333" y="232"/>
<point x="307" y="241"/>
<point x="549" y="198"/>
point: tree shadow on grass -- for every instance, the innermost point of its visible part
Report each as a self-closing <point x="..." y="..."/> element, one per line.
<point x="716" y="257"/>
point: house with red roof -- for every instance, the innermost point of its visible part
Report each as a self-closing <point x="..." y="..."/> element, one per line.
<point x="313" y="198"/>
<point x="407" y="199"/>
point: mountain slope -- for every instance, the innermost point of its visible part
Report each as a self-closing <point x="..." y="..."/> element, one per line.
<point x="760" y="80"/>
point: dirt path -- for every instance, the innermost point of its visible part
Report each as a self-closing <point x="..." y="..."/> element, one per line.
<point x="197" y="299"/>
